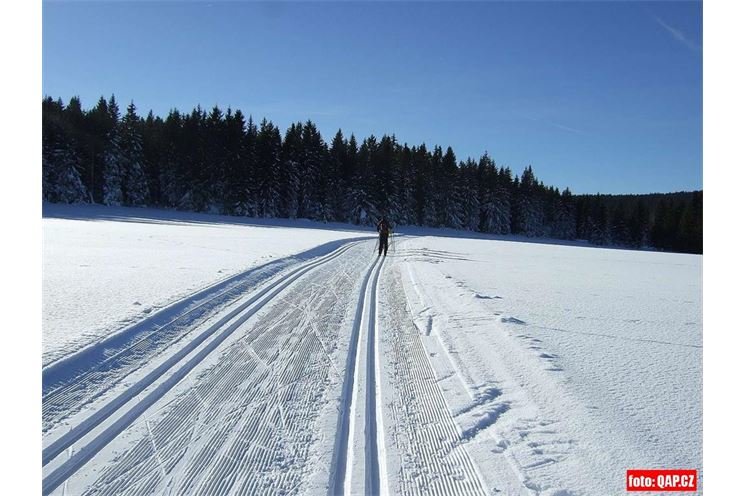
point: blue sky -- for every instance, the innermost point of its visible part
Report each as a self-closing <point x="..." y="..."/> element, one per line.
<point x="596" y="96"/>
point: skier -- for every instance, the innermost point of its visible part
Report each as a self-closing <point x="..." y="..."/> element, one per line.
<point x="384" y="229"/>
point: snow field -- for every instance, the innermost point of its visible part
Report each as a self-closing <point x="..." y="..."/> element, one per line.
<point x="106" y="268"/>
<point x="594" y="353"/>
<point x="453" y="366"/>
<point x="262" y="393"/>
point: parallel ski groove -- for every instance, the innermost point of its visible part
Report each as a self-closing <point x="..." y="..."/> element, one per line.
<point x="340" y="477"/>
<point x="89" y="450"/>
<point x="247" y="424"/>
<point x="372" y="465"/>
<point x="69" y="383"/>
<point x="339" y="466"/>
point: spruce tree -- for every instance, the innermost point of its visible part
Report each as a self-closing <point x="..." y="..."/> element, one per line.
<point x="449" y="214"/>
<point x="339" y="176"/>
<point x="218" y="162"/>
<point x="171" y="173"/>
<point x="100" y="126"/>
<point x="113" y="175"/>
<point x="289" y="180"/>
<point x="132" y="160"/>
<point x="236" y="177"/>
<point x="310" y="196"/>
<point x="354" y="193"/>
<point x="61" y="181"/>
<point x="268" y="157"/>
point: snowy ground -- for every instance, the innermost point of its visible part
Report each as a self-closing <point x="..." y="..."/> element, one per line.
<point x="105" y="268"/>
<point x="588" y="358"/>
<point x="453" y="366"/>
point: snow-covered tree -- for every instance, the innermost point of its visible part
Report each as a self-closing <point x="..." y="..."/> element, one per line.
<point x="217" y="163"/>
<point x="113" y="175"/>
<point x="309" y="173"/>
<point x="289" y="181"/>
<point x="61" y="182"/>
<point x="268" y="158"/>
<point x="132" y="160"/>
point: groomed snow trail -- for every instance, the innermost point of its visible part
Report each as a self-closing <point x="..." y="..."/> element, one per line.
<point x="247" y="392"/>
<point x="317" y="380"/>
<point x="359" y="446"/>
<point x="433" y="458"/>
<point x="69" y="384"/>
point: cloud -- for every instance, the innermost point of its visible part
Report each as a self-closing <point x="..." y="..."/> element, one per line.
<point x="679" y="36"/>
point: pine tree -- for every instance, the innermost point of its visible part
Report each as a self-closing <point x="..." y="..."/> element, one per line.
<point x="310" y="193"/>
<point x="153" y="151"/>
<point x="382" y="187"/>
<point x="132" y="160"/>
<point x="690" y="234"/>
<point x="353" y="192"/>
<point x="425" y="213"/>
<point x="563" y="224"/>
<point x="216" y="159"/>
<point x="619" y="230"/>
<point x="236" y="163"/>
<point x="449" y="214"/>
<point x="79" y="141"/>
<point x="468" y="190"/>
<point x="362" y="209"/>
<point x="339" y="176"/>
<point x="405" y="177"/>
<point x="171" y="174"/>
<point x="99" y="128"/>
<point x="61" y="181"/>
<point x="289" y="181"/>
<point x="494" y="206"/>
<point x="113" y="176"/>
<point x="220" y="163"/>
<point x="639" y="226"/>
<point x="268" y="157"/>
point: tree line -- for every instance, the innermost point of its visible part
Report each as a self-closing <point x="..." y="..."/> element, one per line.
<point x="221" y="162"/>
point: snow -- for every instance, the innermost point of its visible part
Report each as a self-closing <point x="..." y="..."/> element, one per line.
<point x="459" y="364"/>
<point x="617" y="334"/>
<point x="105" y="268"/>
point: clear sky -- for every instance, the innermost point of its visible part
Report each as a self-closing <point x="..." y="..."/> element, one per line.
<point x="597" y="96"/>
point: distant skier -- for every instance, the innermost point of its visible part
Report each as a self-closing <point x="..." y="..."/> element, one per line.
<point x="384" y="229"/>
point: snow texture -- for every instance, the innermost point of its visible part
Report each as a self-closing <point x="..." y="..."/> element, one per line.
<point x="106" y="268"/>
<point x="455" y="365"/>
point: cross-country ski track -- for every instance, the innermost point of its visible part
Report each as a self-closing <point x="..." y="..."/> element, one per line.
<point x="329" y="373"/>
<point x="263" y="368"/>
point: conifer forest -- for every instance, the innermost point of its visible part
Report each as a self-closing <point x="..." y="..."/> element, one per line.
<point x="223" y="162"/>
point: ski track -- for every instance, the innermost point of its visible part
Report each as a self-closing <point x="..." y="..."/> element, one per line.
<point x="358" y="448"/>
<point x="262" y="373"/>
<point x="72" y="382"/>
<point x="261" y="368"/>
